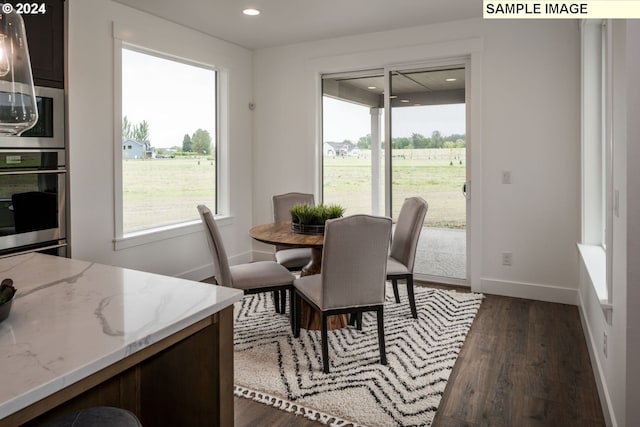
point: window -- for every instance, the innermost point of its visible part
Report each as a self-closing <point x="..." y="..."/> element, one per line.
<point x="169" y="139"/>
<point x="596" y="156"/>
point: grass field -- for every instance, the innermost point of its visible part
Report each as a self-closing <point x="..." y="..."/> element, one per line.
<point x="436" y="175"/>
<point x="167" y="191"/>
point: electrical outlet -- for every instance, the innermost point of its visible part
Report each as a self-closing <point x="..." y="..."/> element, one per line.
<point x="507" y="258"/>
<point x="506" y="177"/>
<point x="604" y="344"/>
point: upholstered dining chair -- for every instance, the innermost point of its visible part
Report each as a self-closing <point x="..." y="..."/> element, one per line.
<point x="292" y="258"/>
<point x="353" y="274"/>
<point x="254" y="277"/>
<point x="402" y="254"/>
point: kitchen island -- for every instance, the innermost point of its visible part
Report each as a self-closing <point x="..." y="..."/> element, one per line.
<point x="83" y="334"/>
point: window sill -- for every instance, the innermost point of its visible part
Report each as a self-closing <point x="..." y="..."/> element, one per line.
<point x="153" y="235"/>
<point x="594" y="259"/>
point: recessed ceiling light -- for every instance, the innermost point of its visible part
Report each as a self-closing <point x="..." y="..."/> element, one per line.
<point x="393" y="96"/>
<point x="371" y="87"/>
<point x="251" y="11"/>
<point x="450" y="79"/>
<point x="404" y="100"/>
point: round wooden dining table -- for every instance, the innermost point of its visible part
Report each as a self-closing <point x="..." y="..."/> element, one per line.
<point x="281" y="234"/>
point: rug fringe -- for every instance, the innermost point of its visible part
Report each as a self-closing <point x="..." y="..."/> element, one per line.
<point x="292" y="407"/>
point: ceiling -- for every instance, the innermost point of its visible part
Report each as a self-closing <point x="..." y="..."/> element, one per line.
<point x="285" y="22"/>
<point x="412" y="87"/>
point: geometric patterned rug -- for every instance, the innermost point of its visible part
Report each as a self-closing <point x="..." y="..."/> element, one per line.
<point x="273" y="367"/>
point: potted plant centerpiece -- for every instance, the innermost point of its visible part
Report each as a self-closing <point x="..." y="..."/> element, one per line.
<point x="310" y="219"/>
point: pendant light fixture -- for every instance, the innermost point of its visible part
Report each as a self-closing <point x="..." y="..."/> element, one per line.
<point x="18" y="109"/>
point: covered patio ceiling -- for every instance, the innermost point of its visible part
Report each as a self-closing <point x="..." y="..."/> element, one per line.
<point x="408" y="88"/>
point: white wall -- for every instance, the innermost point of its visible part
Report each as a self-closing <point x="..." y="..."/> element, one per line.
<point x="90" y="88"/>
<point x="529" y="125"/>
<point x="633" y="222"/>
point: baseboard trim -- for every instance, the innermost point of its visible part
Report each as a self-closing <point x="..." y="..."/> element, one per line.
<point x="197" y="274"/>
<point x="596" y="366"/>
<point x="204" y="272"/>
<point x="532" y="291"/>
<point x="262" y="256"/>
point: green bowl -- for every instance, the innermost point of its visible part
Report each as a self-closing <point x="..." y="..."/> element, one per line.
<point x="5" y="308"/>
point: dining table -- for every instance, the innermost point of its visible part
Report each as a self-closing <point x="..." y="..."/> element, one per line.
<point x="281" y="233"/>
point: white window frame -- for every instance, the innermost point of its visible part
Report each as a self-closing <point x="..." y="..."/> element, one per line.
<point x="596" y="158"/>
<point x="127" y="240"/>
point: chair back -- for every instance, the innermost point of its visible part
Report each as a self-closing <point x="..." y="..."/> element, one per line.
<point x="354" y="261"/>
<point x="407" y="231"/>
<point x="282" y="204"/>
<point x="221" y="270"/>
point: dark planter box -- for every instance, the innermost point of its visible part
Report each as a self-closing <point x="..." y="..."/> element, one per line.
<point x="307" y="229"/>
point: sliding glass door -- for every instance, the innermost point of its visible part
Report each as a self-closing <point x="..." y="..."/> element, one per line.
<point x="428" y="159"/>
<point x="425" y="121"/>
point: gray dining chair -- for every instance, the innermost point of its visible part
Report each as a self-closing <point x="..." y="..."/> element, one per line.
<point x="292" y="258"/>
<point x="402" y="255"/>
<point x="352" y="280"/>
<point x="253" y="277"/>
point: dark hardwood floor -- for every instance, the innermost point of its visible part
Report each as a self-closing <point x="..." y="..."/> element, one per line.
<point x="524" y="363"/>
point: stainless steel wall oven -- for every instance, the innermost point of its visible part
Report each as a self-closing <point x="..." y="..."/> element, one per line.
<point x="32" y="200"/>
<point x="33" y="182"/>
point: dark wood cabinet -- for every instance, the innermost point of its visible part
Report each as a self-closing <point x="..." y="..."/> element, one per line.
<point x="45" y="36"/>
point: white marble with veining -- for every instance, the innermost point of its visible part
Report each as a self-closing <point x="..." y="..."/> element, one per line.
<point x="72" y="318"/>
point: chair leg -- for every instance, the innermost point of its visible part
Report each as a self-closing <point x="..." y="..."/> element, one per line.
<point x="412" y="299"/>
<point x="298" y="314"/>
<point x="325" y="344"/>
<point x="353" y="318"/>
<point x="276" y="300"/>
<point x="394" y="283"/>
<point x="283" y="301"/>
<point x="359" y="321"/>
<point x="383" y="351"/>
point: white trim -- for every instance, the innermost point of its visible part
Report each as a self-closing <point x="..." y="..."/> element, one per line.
<point x="533" y="291"/>
<point x="596" y="366"/>
<point x="468" y="51"/>
<point x="152" y="235"/>
<point x="117" y="135"/>
<point x="594" y="259"/>
<point x="206" y="271"/>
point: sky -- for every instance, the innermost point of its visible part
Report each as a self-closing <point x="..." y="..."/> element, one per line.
<point x="345" y="120"/>
<point x="146" y="95"/>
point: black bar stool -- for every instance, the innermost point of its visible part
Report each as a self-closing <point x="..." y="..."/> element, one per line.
<point x="99" y="416"/>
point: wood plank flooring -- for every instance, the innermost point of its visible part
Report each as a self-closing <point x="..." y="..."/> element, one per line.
<point x="524" y="363"/>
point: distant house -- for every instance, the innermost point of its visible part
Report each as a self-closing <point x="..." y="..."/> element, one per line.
<point x="328" y="150"/>
<point x="339" y="148"/>
<point x="132" y="149"/>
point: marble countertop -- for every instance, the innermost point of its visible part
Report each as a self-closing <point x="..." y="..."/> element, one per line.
<point x="72" y="318"/>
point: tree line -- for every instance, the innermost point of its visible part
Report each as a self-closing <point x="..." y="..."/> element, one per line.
<point x="416" y="140"/>
<point x="199" y="142"/>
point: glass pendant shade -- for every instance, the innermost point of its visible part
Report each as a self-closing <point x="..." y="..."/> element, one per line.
<point x="18" y="109"/>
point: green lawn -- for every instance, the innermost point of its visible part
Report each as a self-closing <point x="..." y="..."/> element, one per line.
<point x="167" y="191"/>
<point x="436" y="175"/>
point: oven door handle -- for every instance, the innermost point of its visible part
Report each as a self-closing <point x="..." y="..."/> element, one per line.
<point x="31" y="172"/>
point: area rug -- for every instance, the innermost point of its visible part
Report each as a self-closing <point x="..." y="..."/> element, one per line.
<point x="273" y="367"/>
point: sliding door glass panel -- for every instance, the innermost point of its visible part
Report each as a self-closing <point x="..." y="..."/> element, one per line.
<point x="428" y="159"/>
<point x="353" y="159"/>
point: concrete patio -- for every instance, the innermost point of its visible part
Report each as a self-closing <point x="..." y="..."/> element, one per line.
<point x="442" y="252"/>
